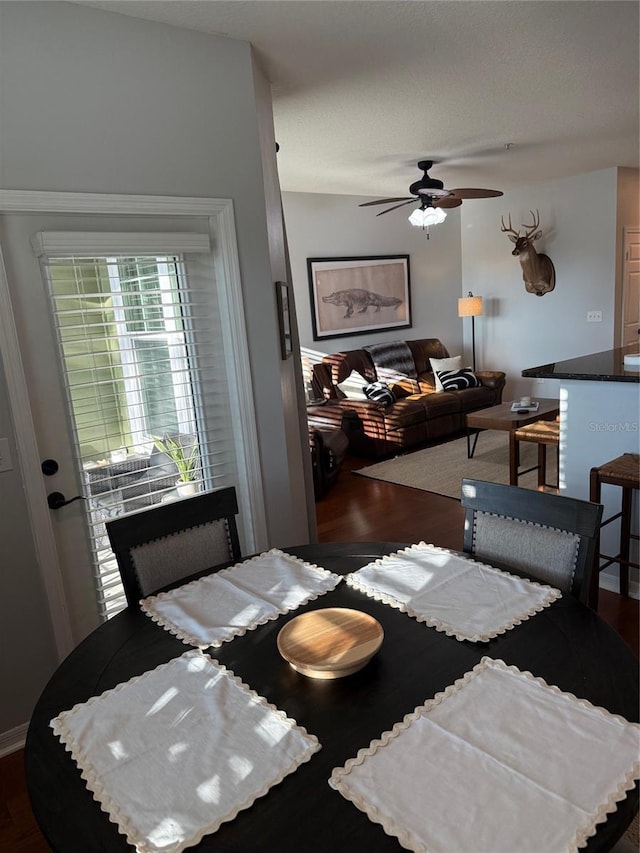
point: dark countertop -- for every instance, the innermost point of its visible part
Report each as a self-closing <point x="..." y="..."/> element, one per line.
<point x="601" y="366"/>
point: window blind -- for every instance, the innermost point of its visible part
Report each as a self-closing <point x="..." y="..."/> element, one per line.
<point x="141" y="357"/>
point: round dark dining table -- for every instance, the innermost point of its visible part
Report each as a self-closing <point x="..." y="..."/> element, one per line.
<point x="567" y="644"/>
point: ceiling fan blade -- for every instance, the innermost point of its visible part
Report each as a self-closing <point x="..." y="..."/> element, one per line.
<point x="384" y="201"/>
<point x="446" y="202"/>
<point x="389" y="209"/>
<point x="472" y="192"/>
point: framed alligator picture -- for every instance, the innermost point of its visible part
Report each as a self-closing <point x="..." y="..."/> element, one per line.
<point x="359" y="295"/>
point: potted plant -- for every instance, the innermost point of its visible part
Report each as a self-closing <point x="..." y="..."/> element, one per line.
<point x="186" y="459"/>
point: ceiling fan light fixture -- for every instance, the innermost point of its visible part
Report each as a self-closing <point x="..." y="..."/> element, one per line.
<point x="430" y="192"/>
<point x="424" y="217"/>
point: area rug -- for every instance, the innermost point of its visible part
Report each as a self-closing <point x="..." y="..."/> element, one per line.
<point x="440" y="468"/>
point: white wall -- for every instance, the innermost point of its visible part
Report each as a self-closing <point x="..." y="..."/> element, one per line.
<point x="27" y="644"/>
<point x="98" y="102"/>
<point x="301" y="509"/>
<point x="582" y="219"/>
<point x="101" y="102"/>
<point x="469" y="252"/>
<point x="334" y="226"/>
<point x="600" y="421"/>
<point x="521" y="330"/>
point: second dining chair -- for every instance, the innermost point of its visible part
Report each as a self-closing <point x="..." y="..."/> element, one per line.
<point x="157" y="547"/>
<point x="548" y="537"/>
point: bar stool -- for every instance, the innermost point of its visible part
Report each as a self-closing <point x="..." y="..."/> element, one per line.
<point x="624" y="471"/>
<point x="544" y="434"/>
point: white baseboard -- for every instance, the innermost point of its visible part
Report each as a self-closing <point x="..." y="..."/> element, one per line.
<point x="13" y="740"/>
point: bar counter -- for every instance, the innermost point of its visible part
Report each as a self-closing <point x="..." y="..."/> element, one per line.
<point x="607" y="366"/>
<point x="599" y="420"/>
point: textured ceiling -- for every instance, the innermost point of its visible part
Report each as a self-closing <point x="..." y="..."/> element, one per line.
<point x="362" y="90"/>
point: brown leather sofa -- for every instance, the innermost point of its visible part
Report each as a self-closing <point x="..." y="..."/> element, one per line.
<point x="419" y="414"/>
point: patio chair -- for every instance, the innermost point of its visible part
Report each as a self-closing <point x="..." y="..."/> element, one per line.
<point x="548" y="537"/>
<point x="160" y="546"/>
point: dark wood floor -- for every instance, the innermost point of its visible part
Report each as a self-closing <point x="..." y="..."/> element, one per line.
<point x="355" y="509"/>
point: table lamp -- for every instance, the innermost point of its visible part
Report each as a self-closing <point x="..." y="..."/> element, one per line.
<point x="471" y="306"/>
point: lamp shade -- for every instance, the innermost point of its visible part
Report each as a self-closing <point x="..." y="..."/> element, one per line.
<point x="470" y="306"/>
<point x="427" y="216"/>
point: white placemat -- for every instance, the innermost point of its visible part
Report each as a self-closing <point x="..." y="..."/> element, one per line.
<point x="499" y="762"/>
<point x="173" y="753"/>
<point x="461" y="597"/>
<point x="221" y="606"/>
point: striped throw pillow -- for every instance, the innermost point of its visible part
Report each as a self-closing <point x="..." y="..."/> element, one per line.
<point x="379" y="392"/>
<point x="458" y="380"/>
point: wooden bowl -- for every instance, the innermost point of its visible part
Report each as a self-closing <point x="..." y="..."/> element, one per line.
<point x="330" y="643"/>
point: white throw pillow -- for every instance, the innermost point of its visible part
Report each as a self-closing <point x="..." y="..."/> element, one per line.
<point x="454" y="363"/>
<point x="352" y="386"/>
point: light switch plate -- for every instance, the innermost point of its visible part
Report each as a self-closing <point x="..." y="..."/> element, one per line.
<point x="5" y="456"/>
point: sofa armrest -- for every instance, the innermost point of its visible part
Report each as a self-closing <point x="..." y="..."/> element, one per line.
<point x="492" y="378"/>
<point x="328" y="415"/>
<point x="365" y="411"/>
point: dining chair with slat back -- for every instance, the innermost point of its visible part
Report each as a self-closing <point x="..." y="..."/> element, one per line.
<point x="551" y="538"/>
<point x="171" y="541"/>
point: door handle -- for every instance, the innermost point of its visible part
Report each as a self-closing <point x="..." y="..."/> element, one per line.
<point x="57" y="500"/>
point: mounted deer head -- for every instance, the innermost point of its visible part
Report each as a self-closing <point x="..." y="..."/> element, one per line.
<point x="537" y="269"/>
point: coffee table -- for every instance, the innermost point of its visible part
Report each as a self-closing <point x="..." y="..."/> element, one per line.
<point x="501" y="417"/>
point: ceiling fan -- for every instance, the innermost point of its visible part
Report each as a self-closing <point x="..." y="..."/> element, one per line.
<point x="431" y="193"/>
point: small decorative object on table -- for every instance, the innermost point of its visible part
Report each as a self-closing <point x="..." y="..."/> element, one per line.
<point x="525" y="404"/>
<point x="330" y="643"/>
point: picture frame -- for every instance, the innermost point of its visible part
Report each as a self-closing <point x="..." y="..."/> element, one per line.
<point x="284" y="319"/>
<point x="358" y="295"/>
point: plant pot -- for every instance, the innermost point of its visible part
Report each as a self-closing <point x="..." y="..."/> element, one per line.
<point x="185" y="489"/>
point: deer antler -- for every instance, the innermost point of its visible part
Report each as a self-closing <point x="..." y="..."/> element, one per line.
<point x="510" y="228"/>
<point x="536" y="222"/>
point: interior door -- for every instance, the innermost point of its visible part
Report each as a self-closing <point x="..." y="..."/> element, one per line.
<point x="631" y="288"/>
<point x="48" y="399"/>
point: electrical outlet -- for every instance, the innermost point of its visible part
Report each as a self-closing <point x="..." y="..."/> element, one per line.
<point x="5" y="456"/>
<point x="594" y="316"/>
